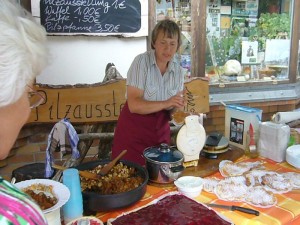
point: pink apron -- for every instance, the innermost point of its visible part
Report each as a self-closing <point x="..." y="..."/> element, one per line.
<point x="135" y="132"/>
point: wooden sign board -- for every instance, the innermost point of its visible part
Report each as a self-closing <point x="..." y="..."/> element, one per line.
<point x="101" y="102"/>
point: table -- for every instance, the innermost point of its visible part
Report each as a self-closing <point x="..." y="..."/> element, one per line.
<point x="285" y="212"/>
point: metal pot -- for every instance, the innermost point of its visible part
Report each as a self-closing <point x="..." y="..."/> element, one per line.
<point x="164" y="164"/>
<point x="94" y="202"/>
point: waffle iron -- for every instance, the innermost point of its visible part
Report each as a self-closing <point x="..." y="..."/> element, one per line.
<point x="215" y="144"/>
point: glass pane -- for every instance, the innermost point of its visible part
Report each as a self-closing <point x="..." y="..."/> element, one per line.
<point x="179" y="11"/>
<point x="247" y="40"/>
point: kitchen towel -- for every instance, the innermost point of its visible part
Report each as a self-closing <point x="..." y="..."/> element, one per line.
<point x="64" y="136"/>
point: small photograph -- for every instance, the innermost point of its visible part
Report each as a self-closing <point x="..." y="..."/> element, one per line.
<point x="249" y="52"/>
<point x="236" y="130"/>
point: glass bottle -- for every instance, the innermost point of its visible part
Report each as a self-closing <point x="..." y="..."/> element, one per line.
<point x="251" y="145"/>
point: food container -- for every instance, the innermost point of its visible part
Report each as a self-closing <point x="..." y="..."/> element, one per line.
<point x="273" y="140"/>
<point x="94" y="202"/>
<point x="237" y="122"/>
<point x="164" y="164"/>
<point x="190" y="186"/>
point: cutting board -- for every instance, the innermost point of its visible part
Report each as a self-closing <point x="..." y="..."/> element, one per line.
<point x="207" y="166"/>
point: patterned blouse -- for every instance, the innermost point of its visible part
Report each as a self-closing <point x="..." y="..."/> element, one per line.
<point x="16" y="208"/>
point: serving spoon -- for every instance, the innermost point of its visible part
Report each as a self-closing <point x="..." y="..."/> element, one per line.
<point x="111" y="164"/>
<point x="90" y="175"/>
<point x="82" y="173"/>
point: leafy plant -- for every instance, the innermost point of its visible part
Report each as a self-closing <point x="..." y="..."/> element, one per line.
<point x="224" y="48"/>
<point x="270" y="26"/>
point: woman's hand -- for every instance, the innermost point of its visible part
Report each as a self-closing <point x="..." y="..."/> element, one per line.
<point x="176" y="101"/>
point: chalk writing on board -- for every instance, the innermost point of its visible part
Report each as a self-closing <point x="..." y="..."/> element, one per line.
<point x="91" y="16"/>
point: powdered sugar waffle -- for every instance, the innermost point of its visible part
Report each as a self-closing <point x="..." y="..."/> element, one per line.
<point x="228" y="168"/>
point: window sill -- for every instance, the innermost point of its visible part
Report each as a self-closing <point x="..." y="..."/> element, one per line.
<point x="260" y="93"/>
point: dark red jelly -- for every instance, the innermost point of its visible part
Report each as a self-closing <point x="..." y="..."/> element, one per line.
<point x="175" y="210"/>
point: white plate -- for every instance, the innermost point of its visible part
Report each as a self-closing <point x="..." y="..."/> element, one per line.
<point x="60" y="190"/>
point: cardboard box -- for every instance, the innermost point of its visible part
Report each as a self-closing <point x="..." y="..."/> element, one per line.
<point x="237" y="122"/>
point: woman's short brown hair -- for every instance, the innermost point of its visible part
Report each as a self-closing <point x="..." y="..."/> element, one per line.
<point x="169" y="28"/>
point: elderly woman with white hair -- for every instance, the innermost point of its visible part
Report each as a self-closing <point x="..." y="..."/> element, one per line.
<point x="23" y="55"/>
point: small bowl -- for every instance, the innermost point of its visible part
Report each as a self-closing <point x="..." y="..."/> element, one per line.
<point x="190" y="186"/>
<point x="86" y="220"/>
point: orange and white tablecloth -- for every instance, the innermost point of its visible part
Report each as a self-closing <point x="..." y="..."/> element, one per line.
<point x="285" y="212"/>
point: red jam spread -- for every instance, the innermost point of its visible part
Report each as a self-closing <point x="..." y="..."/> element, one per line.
<point x="175" y="210"/>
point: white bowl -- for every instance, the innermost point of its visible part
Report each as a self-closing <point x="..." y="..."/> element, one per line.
<point x="293" y="155"/>
<point x="190" y="186"/>
<point x="86" y="220"/>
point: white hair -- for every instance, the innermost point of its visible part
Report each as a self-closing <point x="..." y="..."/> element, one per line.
<point x="23" y="51"/>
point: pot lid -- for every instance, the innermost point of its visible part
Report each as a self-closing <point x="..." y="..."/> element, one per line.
<point x="163" y="153"/>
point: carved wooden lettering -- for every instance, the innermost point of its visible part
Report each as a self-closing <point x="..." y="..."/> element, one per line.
<point x="102" y="102"/>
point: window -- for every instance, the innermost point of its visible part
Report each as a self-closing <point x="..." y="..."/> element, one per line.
<point x="255" y="34"/>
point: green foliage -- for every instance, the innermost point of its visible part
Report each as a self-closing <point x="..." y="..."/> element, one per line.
<point x="225" y="48"/>
<point x="270" y="26"/>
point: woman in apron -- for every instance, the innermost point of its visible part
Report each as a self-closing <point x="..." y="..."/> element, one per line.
<point x="155" y="83"/>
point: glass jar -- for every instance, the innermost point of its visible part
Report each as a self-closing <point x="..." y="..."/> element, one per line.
<point x="251" y="145"/>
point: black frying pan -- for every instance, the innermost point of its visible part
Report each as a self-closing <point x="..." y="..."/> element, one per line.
<point x="93" y="202"/>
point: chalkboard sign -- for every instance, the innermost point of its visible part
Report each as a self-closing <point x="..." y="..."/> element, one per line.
<point x="91" y="16"/>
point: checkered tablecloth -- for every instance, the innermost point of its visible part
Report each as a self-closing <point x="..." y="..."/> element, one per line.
<point x="285" y="212"/>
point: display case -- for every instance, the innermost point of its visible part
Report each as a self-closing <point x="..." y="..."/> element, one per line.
<point x="216" y="31"/>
